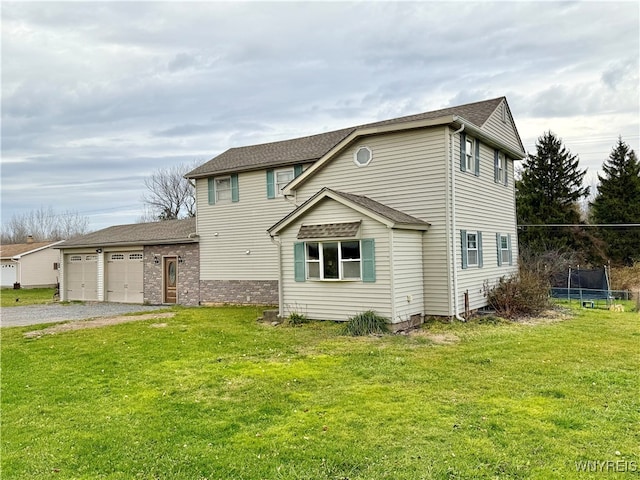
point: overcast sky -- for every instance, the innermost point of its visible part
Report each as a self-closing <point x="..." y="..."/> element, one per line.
<point x="96" y="96"/>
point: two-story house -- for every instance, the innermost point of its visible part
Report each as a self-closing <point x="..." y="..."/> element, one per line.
<point x="408" y="216"/>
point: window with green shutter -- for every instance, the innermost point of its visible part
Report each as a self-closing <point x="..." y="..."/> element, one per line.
<point x="335" y="260"/>
<point x="471" y="246"/>
<point x="223" y="189"/>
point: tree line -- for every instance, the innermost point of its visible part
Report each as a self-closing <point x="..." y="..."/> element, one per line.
<point x="549" y="190"/>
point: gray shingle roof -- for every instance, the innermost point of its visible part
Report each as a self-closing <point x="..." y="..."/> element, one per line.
<point x="395" y="216"/>
<point x="169" y="231"/>
<point x="311" y="148"/>
<point x="329" y="230"/>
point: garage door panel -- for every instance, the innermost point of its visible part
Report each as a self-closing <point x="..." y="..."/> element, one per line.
<point x="125" y="277"/>
<point x="8" y="274"/>
<point x="81" y="277"/>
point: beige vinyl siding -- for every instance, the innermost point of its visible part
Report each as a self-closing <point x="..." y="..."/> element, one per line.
<point x="337" y="300"/>
<point x="36" y="269"/>
<point x="408" y="288"/>
<point x="489" y="207"/>
<point x="504" y="130"/>
<point x="408" y="172"/>
<point x="228" y="230"/>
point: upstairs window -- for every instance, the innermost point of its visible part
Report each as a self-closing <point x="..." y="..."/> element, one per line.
<point x="469" y="154"/>
<point x="279" y="178"/>
<point x="223" y="189"/>
<point x="501" y="173"/>
<point x="282" y="177"/>
<point x="362" y="156"/>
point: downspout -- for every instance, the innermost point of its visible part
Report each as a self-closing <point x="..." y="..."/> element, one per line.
<point x="453" y="227"/>
<point x="280" y="296"/>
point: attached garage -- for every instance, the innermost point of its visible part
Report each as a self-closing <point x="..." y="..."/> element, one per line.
<point x="81" y="275"/>
<point x="125" y="277"/>
<point x="155" y="263"/>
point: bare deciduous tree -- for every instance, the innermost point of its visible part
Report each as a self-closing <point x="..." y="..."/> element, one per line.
<point x="44" y="224"/>
<point x="169" y="195"/>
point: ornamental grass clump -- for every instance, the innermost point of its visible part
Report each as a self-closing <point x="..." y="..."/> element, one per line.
<point x="296" y="319"/>
<point x="366" y="323"/>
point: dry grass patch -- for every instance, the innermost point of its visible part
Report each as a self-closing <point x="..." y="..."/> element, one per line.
<point x="96" y="323"/>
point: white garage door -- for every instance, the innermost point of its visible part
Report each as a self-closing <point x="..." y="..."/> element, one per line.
<point x="8" y="274"/>
<point x="81" y="276"/>
<point x="125" y="277"/>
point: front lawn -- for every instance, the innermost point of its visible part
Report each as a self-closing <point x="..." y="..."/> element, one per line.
<point x="212" y="394"/>
<point x="25" y="296"/>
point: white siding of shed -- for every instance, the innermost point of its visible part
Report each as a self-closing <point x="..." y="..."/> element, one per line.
<point x="337" y="300"/>
<point x="36" y="269"/>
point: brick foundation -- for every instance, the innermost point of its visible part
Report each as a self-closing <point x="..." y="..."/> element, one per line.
<point x="241" y="292"/>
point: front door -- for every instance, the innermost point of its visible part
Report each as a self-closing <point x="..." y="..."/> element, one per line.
<point x="170" y="279"/>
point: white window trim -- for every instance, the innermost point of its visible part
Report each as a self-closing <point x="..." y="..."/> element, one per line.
<point x="504" y="250"/>
<point x="277" y="186"/>
<point x="355" y="156"/>
<point x="474" y="249"/>
<point x="341" y="261"/>
<point x="217" y="189"/>
<point x="469" y="154"/>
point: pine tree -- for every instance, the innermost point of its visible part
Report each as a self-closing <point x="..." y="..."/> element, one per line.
<point x="548" y="193"/>
<point x="618" y="201"/>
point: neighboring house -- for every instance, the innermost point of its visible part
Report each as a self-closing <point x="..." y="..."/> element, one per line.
<point x="31" y="264"/>
<point x="410" y="217"/>
<point x="155" y="263"/>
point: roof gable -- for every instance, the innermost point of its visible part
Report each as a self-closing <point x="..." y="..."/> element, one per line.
<point x="388" y="216"/>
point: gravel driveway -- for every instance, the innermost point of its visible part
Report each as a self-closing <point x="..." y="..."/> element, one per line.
<point x="55" y="312"/>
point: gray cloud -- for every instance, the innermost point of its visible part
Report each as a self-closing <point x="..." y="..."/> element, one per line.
<point x="98" y="95"/>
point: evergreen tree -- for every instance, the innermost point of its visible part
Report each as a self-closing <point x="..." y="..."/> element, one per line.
<point x="618" y="201"/>
<point x="548" y="192"/>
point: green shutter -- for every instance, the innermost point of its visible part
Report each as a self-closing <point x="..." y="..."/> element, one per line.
<point x="298" y="262"/>
<point x="496" y="164"/>
<point x="368" y="254"/>
<point x="212" y="190"/>
<point x="509" y="246"/>
<point x="479" y="249"/>
<point x="477" y="155"/>
<point x="297" y="170"/>
<point x="499" y="246"/>
<point x="463" y="145"/>
<point x="235" y="194"/>
<point x="271" y="185"/>
<point x="463" y="243"/>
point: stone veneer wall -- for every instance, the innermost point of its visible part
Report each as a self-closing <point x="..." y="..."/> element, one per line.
<point x="188" y="288"/>
<point x="243" y="292"/>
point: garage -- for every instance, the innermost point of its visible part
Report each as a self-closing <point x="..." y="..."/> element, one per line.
<point x="81" y="272"/>
<point x="7" y="274"/>
<point x="125" y="277"/>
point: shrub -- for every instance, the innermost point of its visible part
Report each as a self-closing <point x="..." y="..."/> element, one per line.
<point x="519" y="295"/>
<point x="366" y="323"/>
<point x="296" y="319"/>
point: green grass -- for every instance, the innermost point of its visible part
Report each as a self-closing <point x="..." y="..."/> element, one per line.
<point x="216" y="395"/>
<point x="25" y="296"/>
